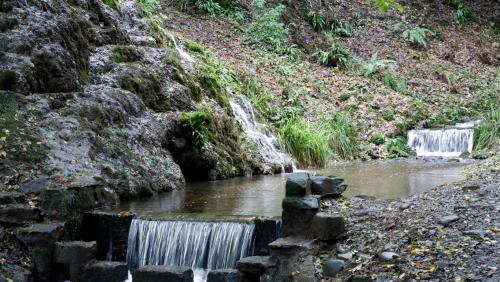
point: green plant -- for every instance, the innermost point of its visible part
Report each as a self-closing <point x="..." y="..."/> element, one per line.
<point x="112" y="3"/>
<point x="385" y="5"/>
<point x="209" y="7"/>
<point x="304" y="142"/>
<point x="463" y="14"/>
<point x="342" y="135"/>
<point x="396" y="148"/>
<point x="195" y="47"/>
<point x="392" y="81"/>
<point x="125" y="54"/>
<point x="197" y="123"/>
<point x="376" y="66"/>
<point x="182" y="5"/>
<point x="389" y="114"/>
<point x="70" y="210"/>
<point x="267" y="32"/>
<point x="336" y="54"/>
<point x="417" y="36"/>
<point x="487" y="133"/>
<point x="446" y="115"/>
<point x="344" y="29"/>
<point x="377" y="139"/>
<point x="317" y="20"/>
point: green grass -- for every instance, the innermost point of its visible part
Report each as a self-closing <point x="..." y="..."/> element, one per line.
<point x="197" y="123"/>
<point x="397" y="148"/>
<point x="342" y="135"/>
<point x="267" y="32"/>
<point x="487" y="133"/>
<point x="306" y="143"/>
<point x="377" y="139"/>
<point x="112" y="3"/>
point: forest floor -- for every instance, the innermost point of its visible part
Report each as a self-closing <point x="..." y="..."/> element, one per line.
<point x="448" y="233"/>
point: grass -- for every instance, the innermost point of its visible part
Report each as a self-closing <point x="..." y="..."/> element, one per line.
<point x="377" y="139"/>
<point x="342" y="135"/>
<point x="197" y="123"/>
<point x="487" y="133"/>
<point x="397" y="148"/>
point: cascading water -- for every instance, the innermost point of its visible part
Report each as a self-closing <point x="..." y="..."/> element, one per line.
<point x="195" y="244"/>
<point x="448" y="142"/>
<point x="266" y="143"/>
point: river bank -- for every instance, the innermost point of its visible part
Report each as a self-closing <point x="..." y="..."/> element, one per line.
<point x="447" y="233"/>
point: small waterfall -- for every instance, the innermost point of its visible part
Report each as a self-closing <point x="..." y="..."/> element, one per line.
<point x="448" y="142"/>
<point x="206" y="245"/>
<point x="243" y="112"/>
<point x="184" y="55"/>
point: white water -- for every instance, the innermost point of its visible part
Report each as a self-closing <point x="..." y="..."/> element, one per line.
<point x="194" y="244"/>
<point x="448" y="142"/>
<point x="184" y="55"/>
<point x="266" y="143"/>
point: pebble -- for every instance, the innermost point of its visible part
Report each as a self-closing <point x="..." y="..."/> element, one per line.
<point x="387" y="256"/>
<point x="477" y="233"/>
<point x="445" y="220"/>
<point x="332" y="267"/>
<point x="361" y="213"/>
<point x="390" y="247"/>
<point x="346" y="256"/>
<point x="404" y="206"/>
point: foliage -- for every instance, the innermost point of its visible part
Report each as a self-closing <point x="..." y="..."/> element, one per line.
<point x="335" y="55"/>
<point x="195" y="47"/>
<point x="374" y="66"/>
<point x="463" y="14"/>
<point x="344" y="29"/>
<point x="317" y="20"/>
<point x="417" y="36"/>
<point x="377" y="139"/>
<point x="448" y="114"/>
<point x="304" y="142"/>
<point x="266" y="31"/>
<point x="342" y="135"/>
<point x="417" y="111"/>
<point x="70" y="210"/>
<point x="209" y="7"/>
<point x="125" y="54"/>
<point x="197" y="123"/>
<point x="396" y="148"/>
<point x="112" y="3"/>
<point x="385" y="5"/>
<point x="150" y="10"/>
<point x="487" y="133"/>
<point x="389" y="114"/>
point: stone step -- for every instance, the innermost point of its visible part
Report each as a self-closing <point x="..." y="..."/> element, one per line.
<point x="19" y="214"/>
<point x="223" y="275"/>
<point x="74" y="254"/>
<point x="255" y="266"/>
<point x="103" y="271"/>
<point x="157" y="273"/>
<point x="10" y="198"/>
<point x="290" y="245"/>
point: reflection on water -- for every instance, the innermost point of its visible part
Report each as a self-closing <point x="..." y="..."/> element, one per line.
<point x="262" y="195"/>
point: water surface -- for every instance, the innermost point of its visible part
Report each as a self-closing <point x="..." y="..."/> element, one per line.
<point x="262" y="195"/>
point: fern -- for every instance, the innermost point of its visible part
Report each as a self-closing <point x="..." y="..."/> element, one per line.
<point x="317" y="21"/>
<point x="385" y="5"/>
<point x="463" y="14"/>
<point x="375" y="66"/>
<point x="344" y="29"/>
<point x="336" y="54"/>
<point x="417" y="36"/>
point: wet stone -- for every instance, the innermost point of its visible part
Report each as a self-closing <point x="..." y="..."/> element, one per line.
<point x="332" y="267"/>
<point x="476" y="233"/>
<point x="342" y="249"/>
<point x="157" y="273"/>
<point x="19" y="214"/>
<point x="328" y="227"/>
<point x="346" y="256"/>
<point x="446" y="220"/>
<point x="390" y="247"/>
<point x="223" y="275"/>
<point x="327" y="186"/>
<point x="75" y="251"/>
<point x="296" y="184"/>
<point x="36" y="186"/>
<point x="404" y="206"/>
<point x="254" y="265"/>
<point x="388" y="256"/>
<point x="103" y="271"/>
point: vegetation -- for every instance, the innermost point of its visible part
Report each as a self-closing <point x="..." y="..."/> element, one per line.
<point x="197" y="123"/>
<point x="336" y="55"/>
<point x="112" y="3"/>
<point x="342" y="135"/>
<point x="125" y="54"/>
<point x="417" y="36"/>
<point x="397" y="148"/>
<point x="463" y="14"/>
<point x="377" y="139"/>
<point x="487" y="133"/>
<point x="266" y="31"/>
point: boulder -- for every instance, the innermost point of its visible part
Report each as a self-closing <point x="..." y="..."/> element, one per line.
<point x="157" y="273"/>
<point x="73" y="254"/>
<point x="328" y="227"/>
<point x="333" y="266"/>
<point x="297" y="215"/>
<point x="35" y="186"/>
<point x="103" y="271"/>
<point x="254" y="266"/>
<point x="327" y="186"/>
<point x="388" y="256"/>
<point x="303" y="270"/>
<point x="223" y="275"/>
<point x="39" y="240"/>
<point x="297" y="184"/>
<point x="10" y="198"/>
<point x="19" y="214"/>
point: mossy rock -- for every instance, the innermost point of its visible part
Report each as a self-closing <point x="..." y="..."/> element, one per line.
<point x="148" y="87"/>
<point x="126" y="54"/>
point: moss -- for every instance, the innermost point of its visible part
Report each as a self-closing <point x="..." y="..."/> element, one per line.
<point x="8" y="80"/>
<point x="210" y="82"/>
<point x="190" y="82"/>
<point x="197" y="123"/>
<point x="148" y="87"/>
<point x="195" y="47"/>
<point x="112" y="3"/>
<point x="172" y="57"/>
<point x="125" y="54"/>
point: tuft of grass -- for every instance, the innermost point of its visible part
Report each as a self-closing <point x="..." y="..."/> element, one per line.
<point x="335" y="55"/>
<point x="342" y="135"/>
<point x="487" y="133"/>
<point x="266" y="31"/>
<point x="377" y="139"/>
<point x="197" y="123"/>
<point x="304" y="142"/>
<point x="195" y="47"/>
<point x="112" y="3"/>
<point x="317" y="20"/>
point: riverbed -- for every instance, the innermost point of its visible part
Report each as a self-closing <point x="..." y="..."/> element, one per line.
<point x="261" y="195"/>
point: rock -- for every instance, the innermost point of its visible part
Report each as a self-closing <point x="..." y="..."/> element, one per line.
<point x="342" y="249"/>
<point x="40" y="239"/>
<point x="156" y="273"/>
<point x="287" y="246"/>
<point x="333" y="266"/>
<point x="390" y="247"/>
<point x="327" y="186"/>
<point x="74" y="254"/>
<point x="296" y="184"/>
<point x="388" y="256"/>
<point x="266" y="231"/>
<point x="36" y="186"/>
<point x="297" y="215"/>
<point x="470" y="188"/>
<point x="223" y="275"/>
<point x="404" y="206"/>
<point x="446" y="220"/>
<point x="10" y="198"/>
<point x="255" y="265"/>
<point x="103" y="271"/>
<point x="304" y="270"/>
<point x="18" y="214"/>
<point x="328" y="227"/>
<point x="476" y="233"/>
<point x="346" y="256"/>
<point x="361" y="212"/>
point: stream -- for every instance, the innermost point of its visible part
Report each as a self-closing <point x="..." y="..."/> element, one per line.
<point x="262" y="194"/>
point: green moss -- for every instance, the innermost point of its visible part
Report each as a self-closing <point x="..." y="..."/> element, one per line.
<point x="195" y="47"/>
<point x="8" y="80"/>
<point x="345" y="96"/>
<point x="377" y="139"/>
<point x="172" y="57"/>
<point x="125" y="54"/>
<point x="112" y="3"/>
<point x="148" y="87"/>
<point x="210" y="82"/>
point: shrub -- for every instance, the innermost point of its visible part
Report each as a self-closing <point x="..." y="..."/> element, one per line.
<point x="336" y="54"/>
<point x="267" y="32"/>
<point x="377" y="139"/>
<point x="487" y="133"/>
<point x="342" y="135"/>
<point x="397" y="148"/>
<point x="417" y="36"/>
<point x="209" y="7"/>
<point x="463" y="14"/>
<point x="304" y="142"/>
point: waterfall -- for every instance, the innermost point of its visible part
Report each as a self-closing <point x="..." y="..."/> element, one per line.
<point x="448" y="142"/>
<point x="195" y="244"/>
<point x="184" y="55"/>
<point x="266" y="143"/>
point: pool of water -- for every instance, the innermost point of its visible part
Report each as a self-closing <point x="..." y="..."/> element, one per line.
<point x="262" y="195"/>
